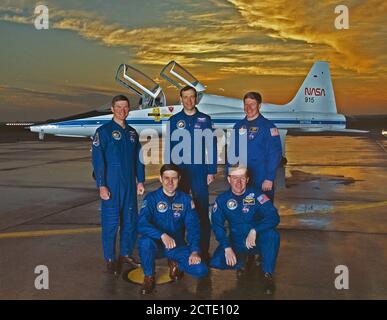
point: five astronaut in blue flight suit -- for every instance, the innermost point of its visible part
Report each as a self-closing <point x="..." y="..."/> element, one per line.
<point x="252" y="219"/>
<point x="197" y="169"/>
<point x="117" y="164"/>
<point x="264" y="151"/>
<point x="166" y="215"/>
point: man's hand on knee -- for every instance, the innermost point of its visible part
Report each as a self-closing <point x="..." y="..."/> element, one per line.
<point x="250" y="240"/>
<point x="231" y="259"/>
<point x="168" y="241"/>
<point x="194" y="258"/>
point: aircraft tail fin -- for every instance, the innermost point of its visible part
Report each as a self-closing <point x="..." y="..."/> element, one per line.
<point x="316" y="92"/>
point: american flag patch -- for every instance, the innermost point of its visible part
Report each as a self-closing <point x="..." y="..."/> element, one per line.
<point x="274" y="132"/>
<point x="263" y="198"/>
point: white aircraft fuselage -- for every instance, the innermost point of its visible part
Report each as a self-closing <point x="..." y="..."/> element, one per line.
<point x="223" y="116"/>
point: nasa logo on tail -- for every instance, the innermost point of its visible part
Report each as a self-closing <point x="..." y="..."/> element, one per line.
<point x="315" y="92"/>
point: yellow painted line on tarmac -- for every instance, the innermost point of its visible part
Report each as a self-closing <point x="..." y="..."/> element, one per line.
<point x="44" y="233"/>
<point x="162" y="275"/>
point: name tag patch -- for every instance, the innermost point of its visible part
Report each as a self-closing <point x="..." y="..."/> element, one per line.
<point x="177" y="206"/>
<point x="248" y="201"/>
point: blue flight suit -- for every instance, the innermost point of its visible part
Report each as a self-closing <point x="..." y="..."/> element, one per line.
<point x="116" y="161"/>
<point x="194" y="175"/>
<point x="264" y="151"/>
<point x="171" y="215"/>
<point x="251" y="210"/>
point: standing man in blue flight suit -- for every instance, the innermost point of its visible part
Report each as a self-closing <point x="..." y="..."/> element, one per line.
<point x="196" y="175"/>
<point x="264" y="151"/>
<point x="117" y="164"/>
<point x="165" y="213"/>
<point x="252" y="220"/>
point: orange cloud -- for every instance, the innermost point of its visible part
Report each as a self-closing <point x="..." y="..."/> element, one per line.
<point x="247" y="39"/>
<point x="216" y="39"/>
<point x="359" y="48"/>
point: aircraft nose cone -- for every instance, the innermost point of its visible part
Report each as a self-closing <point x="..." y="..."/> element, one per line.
<point x="35" y="128"/>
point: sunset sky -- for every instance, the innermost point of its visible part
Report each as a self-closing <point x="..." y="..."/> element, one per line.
<point x="231" y="46"/>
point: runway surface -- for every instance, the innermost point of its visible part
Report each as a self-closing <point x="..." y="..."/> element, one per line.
<point x="331" y="195"/>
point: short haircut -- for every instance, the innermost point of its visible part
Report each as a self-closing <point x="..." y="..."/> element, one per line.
<point x="119" y="97"/>
<point x="253" y="95"/>
<point x="186" y="88"/>
<point x="169" y="166"/>
<point x="235" y="167"/>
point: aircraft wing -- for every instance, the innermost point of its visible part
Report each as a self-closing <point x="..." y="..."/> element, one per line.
<point x="352" y="131"/>
<point x="328" y="130"/>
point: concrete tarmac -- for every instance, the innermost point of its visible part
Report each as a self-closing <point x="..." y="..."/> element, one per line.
<point x="331" y="196"/>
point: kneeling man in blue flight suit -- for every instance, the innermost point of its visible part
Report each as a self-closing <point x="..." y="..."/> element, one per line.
<point x="252" y="221"/>
<point x="165" y="213"/>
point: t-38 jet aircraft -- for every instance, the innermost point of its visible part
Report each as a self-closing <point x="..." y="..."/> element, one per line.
<point x="313" y="108"/>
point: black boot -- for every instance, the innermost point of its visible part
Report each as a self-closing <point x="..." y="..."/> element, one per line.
<point x="111" y="267"/>
<point x="252" y="261"/>
<point x="148" y="285"/>
<point x="130" y="261"/>
<point x="268" y="283"/>
<point x="174" y="272"/>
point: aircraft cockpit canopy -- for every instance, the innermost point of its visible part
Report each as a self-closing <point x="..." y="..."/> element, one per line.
<point x="180" y="77"/>
<point x="151" y="94"/>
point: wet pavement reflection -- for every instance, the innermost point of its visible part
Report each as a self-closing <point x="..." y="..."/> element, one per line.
<point x="331" y="196"/>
